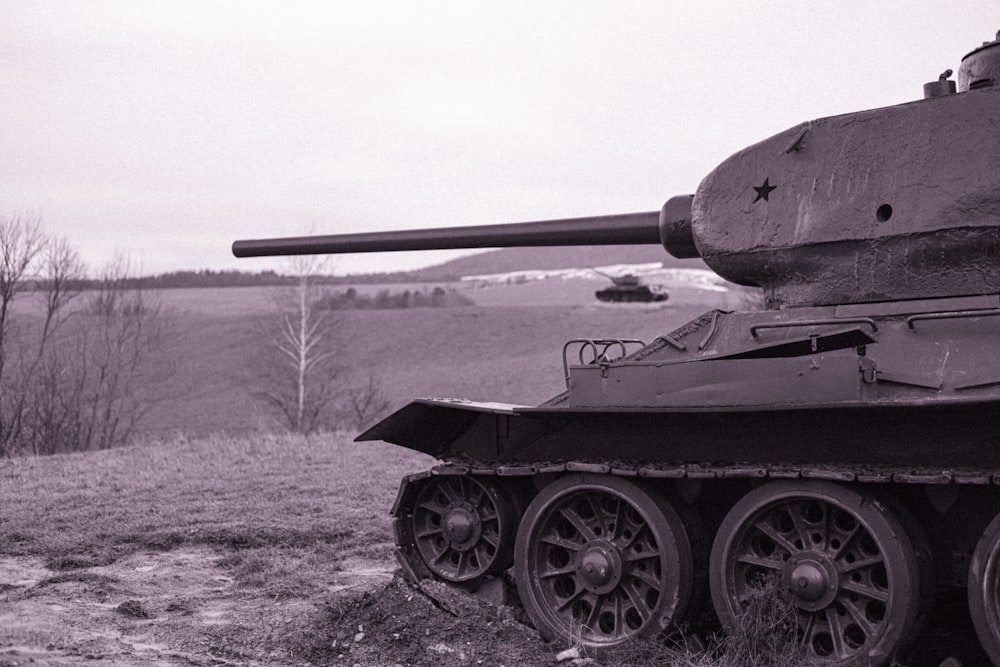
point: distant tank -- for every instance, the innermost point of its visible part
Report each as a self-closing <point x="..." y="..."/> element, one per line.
<point x="629" y="288"/>
<point x="842" y="444"/>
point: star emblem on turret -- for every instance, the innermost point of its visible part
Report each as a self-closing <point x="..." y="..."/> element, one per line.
<point x="763" y="191"/>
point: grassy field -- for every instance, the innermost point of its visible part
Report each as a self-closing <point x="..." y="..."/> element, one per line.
<point x="501" y="349"/>
<point x="82" y="510"/>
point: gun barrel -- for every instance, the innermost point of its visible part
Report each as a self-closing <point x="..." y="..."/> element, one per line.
<point x="622" y="229"/>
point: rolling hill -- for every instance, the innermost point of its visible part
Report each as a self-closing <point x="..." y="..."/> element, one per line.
<point x="520" y="259"/>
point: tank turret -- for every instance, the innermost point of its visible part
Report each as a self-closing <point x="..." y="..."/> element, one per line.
<point x="627" y="280"/>
<point x="840" y="445"/>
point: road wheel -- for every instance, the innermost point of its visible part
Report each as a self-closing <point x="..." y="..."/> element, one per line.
<point x="600" y="560"/>
<point x="845" y="559"/>
<point x="463" y="527"/>
<point x="984" y="590"/>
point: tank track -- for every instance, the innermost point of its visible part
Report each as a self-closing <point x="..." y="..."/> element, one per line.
<point x="831" y="472"/>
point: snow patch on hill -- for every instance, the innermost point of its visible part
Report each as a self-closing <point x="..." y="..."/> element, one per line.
<point x="652" y="273"/>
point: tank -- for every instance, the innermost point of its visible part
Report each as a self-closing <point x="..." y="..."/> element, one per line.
<point x="628" y="288"/>
<point x="841" y="444"/>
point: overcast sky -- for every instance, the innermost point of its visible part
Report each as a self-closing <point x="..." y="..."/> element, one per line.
<point x="166" y="130"/>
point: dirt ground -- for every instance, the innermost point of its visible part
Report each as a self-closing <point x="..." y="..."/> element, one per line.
<point x="165" y="608"/>
<point x="178" y="607"/>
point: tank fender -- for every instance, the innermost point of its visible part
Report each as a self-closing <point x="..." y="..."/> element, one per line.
<point x="444" y="427"/>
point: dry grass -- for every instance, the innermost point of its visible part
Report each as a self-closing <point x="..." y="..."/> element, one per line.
<point x="764" y="637"/>
<point x="300" y="501"/>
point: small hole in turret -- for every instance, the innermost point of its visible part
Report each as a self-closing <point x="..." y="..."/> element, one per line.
<point x="883" y="213"/>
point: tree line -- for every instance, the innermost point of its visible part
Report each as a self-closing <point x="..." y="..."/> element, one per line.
<point x="351" y="299"/>
<point x="228" y="278"/>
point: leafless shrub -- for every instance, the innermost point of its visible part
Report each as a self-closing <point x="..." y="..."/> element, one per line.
<point x="765" y="636"/>
<point x="70" y="379"/>
<point x="364" y="404"/>
<point x="765" y="632"/>
<point x="90" y="390"/>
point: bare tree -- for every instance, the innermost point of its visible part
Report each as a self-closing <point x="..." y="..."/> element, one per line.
<point x="117" y="337"/>
<point x="21" y="241"/>
<point x="57" y="285"/>
<point x="297" y="373"/>
<point x="70" y="378"/>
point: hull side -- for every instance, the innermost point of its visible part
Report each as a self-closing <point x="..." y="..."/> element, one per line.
<point x="947" y="436"/>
